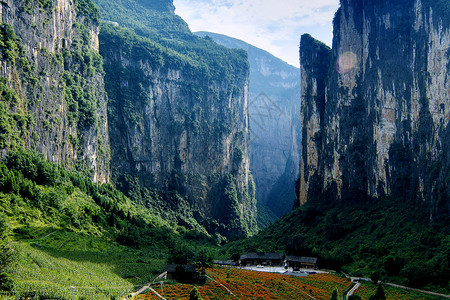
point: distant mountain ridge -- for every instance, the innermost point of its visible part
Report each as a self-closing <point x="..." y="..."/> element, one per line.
<point x="274" y="108"/>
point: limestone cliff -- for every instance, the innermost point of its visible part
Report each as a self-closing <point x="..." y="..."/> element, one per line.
<point x="181" y="126"/>
<point x="54" y="67"/>
<point x="378" y="123"/>
<point x="274" y="111"/>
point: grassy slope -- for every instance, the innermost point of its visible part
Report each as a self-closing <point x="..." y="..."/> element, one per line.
<point x="99" y="271"/>
<point x="66" y="232"/>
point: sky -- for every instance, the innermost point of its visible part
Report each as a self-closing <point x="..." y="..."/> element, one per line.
<point x="272" y="25"/>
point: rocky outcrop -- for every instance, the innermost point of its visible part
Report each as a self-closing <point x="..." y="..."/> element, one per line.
<point x="315" y="58"/>
<point x="378" y="123"/>
<point x="179" y="128"/>
<point x="57" y="74"/>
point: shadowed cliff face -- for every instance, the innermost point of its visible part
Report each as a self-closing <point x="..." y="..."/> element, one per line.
<point x="274" y="119"/>
<point x="182" y="128"/>
<point x="383" y="127"/>
<point x="56" y="72"/>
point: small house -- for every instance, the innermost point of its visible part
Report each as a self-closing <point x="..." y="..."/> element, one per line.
<point x="265" y="259"/>
<point x="301" y="262"/>
<point x="182" y="273"/>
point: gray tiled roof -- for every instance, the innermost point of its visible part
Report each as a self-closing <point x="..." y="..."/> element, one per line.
<point x="187" y="268"/>
<point x="263" y="256"/>
<point x="302" y="259"/>
<point x="225" y="262"/>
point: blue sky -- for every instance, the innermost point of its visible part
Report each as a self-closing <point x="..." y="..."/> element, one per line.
<point x="273" y="25"/>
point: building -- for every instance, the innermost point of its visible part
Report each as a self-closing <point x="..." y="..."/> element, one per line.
<point x="226" y="263"/>
<point x="182" y="273"/>
<point x="301" y="262"/>
<point x="265" y="259"/>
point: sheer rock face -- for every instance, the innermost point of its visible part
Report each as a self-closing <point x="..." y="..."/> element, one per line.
<point x="381" y="125"/>
<point x="47" y="35"/>
<point x="274" y="112"/>
<point x="183" y="134"/>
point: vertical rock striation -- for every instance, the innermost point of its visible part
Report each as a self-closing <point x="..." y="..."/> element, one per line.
<point x="274" y="112"/>
<point x="57" y="75"/>
<point x="315" y="58"/>
<point x="378" y="123"/>
<point x="181" y="127"/>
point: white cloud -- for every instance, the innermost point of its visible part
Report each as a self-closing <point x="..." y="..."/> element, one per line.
<point x="273" y="25"/>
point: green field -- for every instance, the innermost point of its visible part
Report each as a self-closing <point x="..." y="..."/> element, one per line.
<point x="95" y="268"/>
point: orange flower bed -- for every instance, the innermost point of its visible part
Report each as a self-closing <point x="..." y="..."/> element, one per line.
<point x="246" y="284"/>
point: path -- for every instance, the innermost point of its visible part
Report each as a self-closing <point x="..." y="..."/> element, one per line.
<point x="352" y="290"/>
<point x="228" y="290"/>
<point x="49" y="234"/>
<point x="353" y="279"/>
<point x="416" y="290"/>
<point x="144" y="288"/>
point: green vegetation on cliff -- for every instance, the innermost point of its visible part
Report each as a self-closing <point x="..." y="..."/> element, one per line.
<point x="209" y="67"/>
<point x="15" y="121"/>
<point x="169" y="31"/>
<point x="87" y="9"/>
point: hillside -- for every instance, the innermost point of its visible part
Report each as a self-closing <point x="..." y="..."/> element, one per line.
<point x="90" y="234"/>
<point x="274" y="110"/>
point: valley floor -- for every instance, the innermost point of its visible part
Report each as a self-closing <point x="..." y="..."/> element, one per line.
<point x="234" y="283"/>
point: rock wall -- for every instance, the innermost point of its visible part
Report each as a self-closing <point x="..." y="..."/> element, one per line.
<point x="274" y="112"/>
<point x="180" y="130"/>
<point x="385" y="124"/>
<point x="315" y="59"/>
<point x="274" y="123"/>
<point x="68" y="122"/>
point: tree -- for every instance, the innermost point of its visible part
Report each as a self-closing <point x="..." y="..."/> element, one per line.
<point x="354" y="297"/>
<point x="379" y="294"/>
<point x="235" y="257"/>
<point x="374" y="277"/>
<point x="334" y="295"/>
<point x="195" y="294"/>
<point x="6" y="283"/>
<point x="6" y="252"/>
<point x="393" y="265"/>
<point x="181" y="254"/>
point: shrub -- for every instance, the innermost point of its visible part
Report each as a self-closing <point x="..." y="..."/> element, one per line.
<point x="334" y="295"/>
<point x="195" y="295"/>
<point x="6" y="283"/>
<point x="379" y="294"/>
